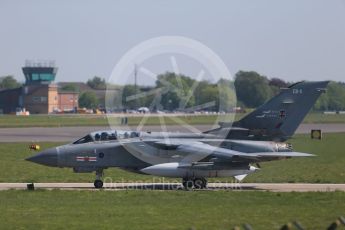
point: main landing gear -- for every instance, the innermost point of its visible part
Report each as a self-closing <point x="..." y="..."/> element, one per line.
<point x="98" y="182"/>
<point x="197" y="183"/>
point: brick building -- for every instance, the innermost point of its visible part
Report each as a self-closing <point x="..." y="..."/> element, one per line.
<point x="68" y="101"/>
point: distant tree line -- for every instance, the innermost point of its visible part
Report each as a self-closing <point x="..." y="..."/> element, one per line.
<point x="251" y="88"/>
<point x="180" y="92"/>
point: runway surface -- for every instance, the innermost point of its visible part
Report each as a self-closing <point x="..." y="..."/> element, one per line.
<point x="68" y="134"/>
<point x="272" y="187"/>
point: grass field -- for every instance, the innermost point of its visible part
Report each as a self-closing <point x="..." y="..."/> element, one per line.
<point x="10" y="121"/>
<point x="166" y="210"/>
<point x="327" y="167"/>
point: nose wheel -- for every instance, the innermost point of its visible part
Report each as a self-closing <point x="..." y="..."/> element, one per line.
<point x="98" y="182"/>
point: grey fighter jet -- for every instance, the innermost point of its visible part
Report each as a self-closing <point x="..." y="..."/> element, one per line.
<point x="194" y="157"/>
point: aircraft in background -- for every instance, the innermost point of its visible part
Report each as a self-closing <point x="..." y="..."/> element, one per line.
<point x="194" y="157"/>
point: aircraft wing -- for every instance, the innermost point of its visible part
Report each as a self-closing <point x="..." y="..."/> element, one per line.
<point x="198" y="151"/>
<point x="270" y="156"/>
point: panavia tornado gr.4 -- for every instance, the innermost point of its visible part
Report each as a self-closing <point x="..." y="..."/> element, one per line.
<point x="194" y="157"/>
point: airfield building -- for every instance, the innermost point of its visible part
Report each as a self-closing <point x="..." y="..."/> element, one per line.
<point x="39" y="94"/>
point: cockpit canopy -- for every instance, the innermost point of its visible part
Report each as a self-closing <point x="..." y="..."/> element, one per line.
<point x="107" y="136"/>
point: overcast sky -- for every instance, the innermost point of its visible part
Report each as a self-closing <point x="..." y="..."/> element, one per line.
<point x="292" y="39"/>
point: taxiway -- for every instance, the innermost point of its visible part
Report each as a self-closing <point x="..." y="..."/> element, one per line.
<point x="272" y="187"/>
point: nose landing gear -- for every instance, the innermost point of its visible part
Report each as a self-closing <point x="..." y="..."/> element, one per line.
<point x="98" y="182"/>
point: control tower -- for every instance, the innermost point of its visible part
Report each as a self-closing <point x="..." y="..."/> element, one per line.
<point x="39" y="72"/>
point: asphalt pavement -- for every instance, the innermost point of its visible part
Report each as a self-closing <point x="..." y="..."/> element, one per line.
<point x="68" y="134"/>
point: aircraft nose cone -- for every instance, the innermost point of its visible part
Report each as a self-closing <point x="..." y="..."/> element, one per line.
<point x="47" y="157"/>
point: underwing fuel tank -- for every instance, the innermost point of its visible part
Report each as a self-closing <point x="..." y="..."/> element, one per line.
<point x="178" y="170"/>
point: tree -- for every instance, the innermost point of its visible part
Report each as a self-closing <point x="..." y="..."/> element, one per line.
<point x="276" y="84"/>
<point x="177" y="91"/>
<point x="9" y="82"/>
<point x="97" y="83"/>
<point x="128" y="100"/>
<point x="209" y="94"/>
<point x="333" y="99"/>
<point x="227" y="96"/>
<point x="200" y="91"/>
<point x="222" y="94"/>
<point x="322" y="103"/>
<point x="336" y="96"/>
<point x="88" y="100"/>
<point x="252" y="89"/>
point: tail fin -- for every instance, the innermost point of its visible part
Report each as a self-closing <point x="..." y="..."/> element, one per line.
<point x="279" y="118"/>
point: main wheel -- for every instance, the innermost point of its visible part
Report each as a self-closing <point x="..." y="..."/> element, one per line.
<point x="188" y="184"/>
<point x="200" y="183"/>
<point x="98" y="184"/>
